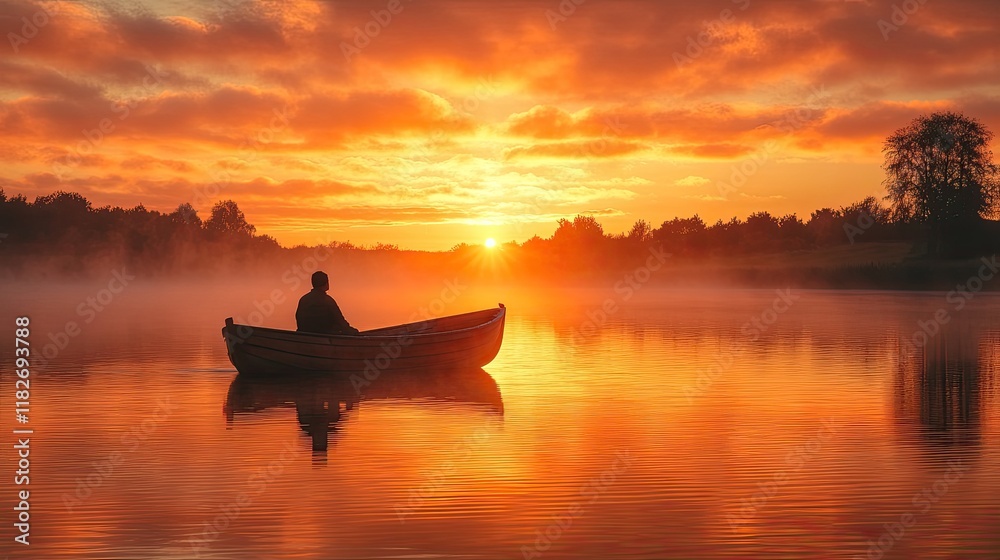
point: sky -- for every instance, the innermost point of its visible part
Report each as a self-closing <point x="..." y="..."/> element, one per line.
<point x="428" y="123"/>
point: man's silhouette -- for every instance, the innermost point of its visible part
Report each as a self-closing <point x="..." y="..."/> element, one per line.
<point x="318" y="313"/>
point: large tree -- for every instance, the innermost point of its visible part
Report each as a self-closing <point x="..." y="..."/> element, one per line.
<point x="227" y="218"/>
<point x="940" y="171"/>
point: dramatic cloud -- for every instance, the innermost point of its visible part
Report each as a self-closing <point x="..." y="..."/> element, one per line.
<point x="319" y="116"/>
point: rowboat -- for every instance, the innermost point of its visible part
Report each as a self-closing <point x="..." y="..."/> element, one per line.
<point x="469" y="340"/>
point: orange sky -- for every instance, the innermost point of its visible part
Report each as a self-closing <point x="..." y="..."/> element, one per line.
<point x="452" y="121"/>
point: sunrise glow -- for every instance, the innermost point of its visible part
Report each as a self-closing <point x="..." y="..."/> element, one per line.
<point x="458" y="118"/>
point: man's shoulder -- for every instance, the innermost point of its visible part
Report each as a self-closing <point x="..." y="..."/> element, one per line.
<point x="314" y="296"/>
<point x="305" y="297"/>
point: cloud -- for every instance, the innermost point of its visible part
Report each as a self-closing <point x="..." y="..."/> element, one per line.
<point x="261" y="90"/>
<point x="44" y="82"/>
<point x="598" y="148"/>
<point x="542" y="122"/>
<point x="146" y="163"/>
<point x="719" y="151"/>
<point x="692" y="181"/>
<point x="705" y="197"/>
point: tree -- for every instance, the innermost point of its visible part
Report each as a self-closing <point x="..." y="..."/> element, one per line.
<point x="940" y="171"/>
<point x="641" y="232"/>
<point x="681" y="235"/>
<point x="187" y="215"/>
<point x="762" y="224"/>
<point x="867" y="210"/>
<point x="227" y="218"/>
<point x="63" y="207"/>
<point x="760" y="232"/>
<point x="792" y="232"/>
<point x="582" y="231"/>
<point x="825" y="227"/>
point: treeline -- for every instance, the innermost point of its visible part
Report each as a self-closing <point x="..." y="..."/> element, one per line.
<point x="583" y="241"/>
<point x="864" y="221"/>
<point x="62" y="235"/>
<point x="864" y="245"/>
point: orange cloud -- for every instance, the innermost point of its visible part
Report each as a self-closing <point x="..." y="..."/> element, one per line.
<point x="597" y="148"/>
<point x="723" y="151"/>
<point x="258" y="102"/>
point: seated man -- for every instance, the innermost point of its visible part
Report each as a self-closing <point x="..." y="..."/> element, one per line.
<point x="317" y="311"/>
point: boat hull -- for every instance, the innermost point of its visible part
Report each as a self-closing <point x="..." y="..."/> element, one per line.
<point x="464" y="341"/>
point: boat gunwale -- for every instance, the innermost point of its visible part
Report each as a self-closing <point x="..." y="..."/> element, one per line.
<point x="499" y="314"/>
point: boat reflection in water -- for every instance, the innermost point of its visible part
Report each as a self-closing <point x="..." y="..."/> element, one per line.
<point x="322" y="402"/>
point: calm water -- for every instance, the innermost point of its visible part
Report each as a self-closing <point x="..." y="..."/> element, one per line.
<point x="673" y="426"/>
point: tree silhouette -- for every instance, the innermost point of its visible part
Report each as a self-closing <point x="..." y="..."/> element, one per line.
<point x="227" y="218"/>
<point x="62" y="235"/>
<point x="641" y="232"/>
<point x="940" y="172"/>
<point x="792" y="232"/>
<point x="582" y="231"/>
<point x="186" y="215"/>
<point x="682" y="235"/>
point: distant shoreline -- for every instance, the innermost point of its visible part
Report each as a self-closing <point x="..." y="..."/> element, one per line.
<point x="813" y="269"/>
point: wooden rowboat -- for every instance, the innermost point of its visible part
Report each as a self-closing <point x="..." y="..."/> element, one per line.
<point x="469" y="340"/>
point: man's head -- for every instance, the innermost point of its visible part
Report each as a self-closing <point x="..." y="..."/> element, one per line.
<point x="320" y="281"/>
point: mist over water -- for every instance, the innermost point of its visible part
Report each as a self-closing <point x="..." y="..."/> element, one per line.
<point x="651" y="423"/>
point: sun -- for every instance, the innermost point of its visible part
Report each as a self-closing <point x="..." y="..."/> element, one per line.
<point x="490" y="243"/>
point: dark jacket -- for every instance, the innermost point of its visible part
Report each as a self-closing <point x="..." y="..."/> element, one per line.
<point x="318" y="313"/>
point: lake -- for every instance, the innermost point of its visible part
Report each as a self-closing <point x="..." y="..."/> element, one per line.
<point x="656" y="424"/>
